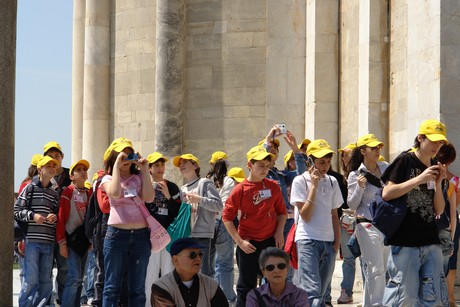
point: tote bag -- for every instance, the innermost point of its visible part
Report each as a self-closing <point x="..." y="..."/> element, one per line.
<point x="159" y="237"/>
<point x="180" y="227"/>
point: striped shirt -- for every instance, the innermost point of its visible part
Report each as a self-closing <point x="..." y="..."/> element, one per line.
<point x="35" y="199"/>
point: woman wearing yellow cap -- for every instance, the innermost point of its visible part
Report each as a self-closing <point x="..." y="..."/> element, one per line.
<point x="127" y="241"/>
<point x="415" y="271"/>
<point x="222" y="249"/>
<point x="201" y="193"/>
<point x="363" y="182"/>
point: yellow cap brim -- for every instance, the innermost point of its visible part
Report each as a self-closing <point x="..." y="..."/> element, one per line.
<point x="437" y="138"/>
<point x="321" y="153"/>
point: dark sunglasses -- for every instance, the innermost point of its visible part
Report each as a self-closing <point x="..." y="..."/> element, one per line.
<point x="193" y="255"/>
<point x="271" y="267"/>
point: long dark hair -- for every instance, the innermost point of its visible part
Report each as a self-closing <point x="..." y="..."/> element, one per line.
<point x="356" y="159"/>
<point x="110" y="162"/>
<point x="218" y="172"/>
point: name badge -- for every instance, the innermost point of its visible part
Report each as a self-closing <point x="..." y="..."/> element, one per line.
<point x="430" y="185"/>
<point x="78" y="198"/>
<point x="265" y="193"/>
<point x="130" y="193"/>
<point x="323" y="190"/>
<point x="163" y="211"/>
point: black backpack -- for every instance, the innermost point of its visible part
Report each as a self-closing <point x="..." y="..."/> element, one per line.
<point x="93" y="214"/>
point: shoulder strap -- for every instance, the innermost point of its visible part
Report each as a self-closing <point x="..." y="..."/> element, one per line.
<point x="259" y="298"/>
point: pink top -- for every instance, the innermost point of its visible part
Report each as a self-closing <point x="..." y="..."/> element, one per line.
<point x="124" y="210"/>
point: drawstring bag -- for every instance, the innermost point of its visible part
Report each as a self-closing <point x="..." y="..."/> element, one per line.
<point x="159" y="237"/>
<point x="180" y="227"/>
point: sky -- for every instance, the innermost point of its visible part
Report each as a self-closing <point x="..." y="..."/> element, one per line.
<point x="43" y="81"/>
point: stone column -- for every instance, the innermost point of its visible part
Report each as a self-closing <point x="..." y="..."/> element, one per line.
<point x="322" y="88"/>
<point x="78" y="54"/>
<point x="96" y="83"/>
<point x="8" y="15"/>
<point x="170" y="87"/>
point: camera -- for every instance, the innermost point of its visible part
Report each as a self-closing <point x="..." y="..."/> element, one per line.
<point x="310" y="162"/>
<point x="282" y="128"/>
<point x="132" y="157"/>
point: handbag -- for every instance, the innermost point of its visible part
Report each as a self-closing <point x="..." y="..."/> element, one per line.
<point x="78" y="241"/>
<point x="291" y="247"/>
<point x="159" y="237"/>
<point x="180" y="227"/>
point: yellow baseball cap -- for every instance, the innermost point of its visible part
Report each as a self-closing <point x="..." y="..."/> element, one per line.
<point x="349" y="147"/>
<point x="35" y="159"/>
<point x="154" y="157"/>
<point x="191" y="157"/>
<point x="236" y="173"/>
<point x="118" y="145"/>
<point x="218" y="155"/>
<point x="83" y="162"/>
<point x="381" y="158"/>
<point x="88" y="185"/>
<point x="305" y="142"/>
<point x="45" y="160"/>
<point x="319" y="148"/>
<point x="288" y="157"/>
<point x="434" y="130"/>
<point x="258" y="153"/>
<point x="369" y="140"/>
<point x="50" y="145"/>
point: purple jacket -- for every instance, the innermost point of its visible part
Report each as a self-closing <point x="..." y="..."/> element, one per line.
<point x="292" y="297"/>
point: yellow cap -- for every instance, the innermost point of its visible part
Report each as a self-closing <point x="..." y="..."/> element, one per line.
<point x="381" y="158"/>
<point x="191" y="157"/>
<point x="236" y="173"/>
<point x="45" y="160"/>
<point x="118" y="145"/>
<point x="154" y="157"/>
<point x="349" y="147"/>
<point x="35" y="159"/>
<point x="305" y="142"/>
<point x="88" y="185"/>
<point x="369" y="140"/>
<point x="218" y="155"/>
<point x="288" y="157"/>
<point x="276" y="141"/>
<point x="434" y="130"/>
<point x="50" y="145"/>
<point x="319" y="148"/>
<point x="258" y="153"/>
<point x="84" y="162"/>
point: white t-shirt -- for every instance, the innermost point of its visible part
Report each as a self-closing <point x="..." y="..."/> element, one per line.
<point x="328" y="197"/>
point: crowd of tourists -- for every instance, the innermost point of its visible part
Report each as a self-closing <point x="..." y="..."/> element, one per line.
<point x="95" y="231"/>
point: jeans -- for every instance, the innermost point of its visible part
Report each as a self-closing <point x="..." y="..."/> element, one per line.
<point x="61" y="265"/>
<point x="316" y="266"/>
<point x="348" y="264"/>
<point x="76" y="267"/>
<point x="416" y="277"/>
<point x="38" y="264"/>
<point x="374" y="255"/>
<point x="123" y="247"/>
<point x="207" y="267"/>
<point x="158" y="263"/>
<point x="223" y="254"/>
<point x="99" y="278"/>
<point x="248" y="267"/>
<point x="89" y="277"/>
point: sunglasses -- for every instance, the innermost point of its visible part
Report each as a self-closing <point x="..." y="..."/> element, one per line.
<point x="271" y="267"/>
<point x="193" y="255"/>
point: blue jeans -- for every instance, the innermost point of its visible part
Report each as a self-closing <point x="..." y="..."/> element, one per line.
<point x="416" y="277"/>
<point x="223" y="253"/>
<point x="207" y="266"/>
<point x="38" y="263"/>
<point x="316" y="266"/>
<point x="123" y="247"/>
<point x="73" y="285"/>
<point x="349" y="263"/>
<point x="88" y="279"/>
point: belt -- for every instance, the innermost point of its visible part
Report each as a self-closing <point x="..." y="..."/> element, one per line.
<point x="362" y="220"/>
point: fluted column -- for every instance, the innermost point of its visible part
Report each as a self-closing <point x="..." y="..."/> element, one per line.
<point x="96" y="83"/>
<point x="78" y="54"/>
<point x="170" y="87"/>
<point x="8" y="17"/>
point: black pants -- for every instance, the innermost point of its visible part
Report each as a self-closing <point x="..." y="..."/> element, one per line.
<point x="248" y="267"/>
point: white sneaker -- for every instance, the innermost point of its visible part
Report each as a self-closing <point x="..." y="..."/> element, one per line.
<point x="344" y="298"/>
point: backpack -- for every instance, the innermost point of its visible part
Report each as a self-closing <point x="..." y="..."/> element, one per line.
<point x="93" y="214"/>
<point x="387" y="216"/>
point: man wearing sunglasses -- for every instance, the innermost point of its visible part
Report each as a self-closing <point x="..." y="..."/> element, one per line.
<point x="185" y="285"/>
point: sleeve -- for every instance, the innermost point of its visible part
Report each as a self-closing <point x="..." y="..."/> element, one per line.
<point x="251" y="299"/>
<point x="161" y="298"/>
<point x="219" y="299"/>
<point x="299" y="190"/>
<point x="301" y="298"/>
<point x="210" y="199"/>
<point x="300" y="163"/>
<point x="337" y="199"/>
<point x="103" y="201"/>
<point x="174" y="202"/>
<point x="63" y="215"/>
<point x="21" y="211"/>
<point x="226" y="189"/>
<point x="395" y="171"/>
<point x="233" y="203"/>
<point x="355" y="193"/>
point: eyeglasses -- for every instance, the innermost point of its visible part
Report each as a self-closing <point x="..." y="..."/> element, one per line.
<point x="280" y="266"/>
<point x="378" y="147"/>
<point x="194" y="254"/>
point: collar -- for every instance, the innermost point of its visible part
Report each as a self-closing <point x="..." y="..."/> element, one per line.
<point x="179" y="281"/>
<point x="288" y="289"/>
